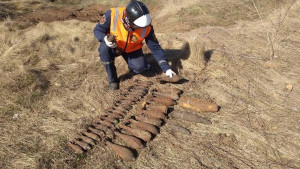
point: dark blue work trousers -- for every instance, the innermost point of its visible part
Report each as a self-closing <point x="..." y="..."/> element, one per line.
<point x="136" y="61"/>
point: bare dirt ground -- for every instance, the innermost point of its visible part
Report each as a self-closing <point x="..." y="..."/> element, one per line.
<point x="52" y="84"/>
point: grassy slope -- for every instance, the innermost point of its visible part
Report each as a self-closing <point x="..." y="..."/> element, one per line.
<point x="55" y="83"/>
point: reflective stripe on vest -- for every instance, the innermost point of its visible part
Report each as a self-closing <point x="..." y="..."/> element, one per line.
<point x="127" y="41"/>
<point x="116" y="19"/>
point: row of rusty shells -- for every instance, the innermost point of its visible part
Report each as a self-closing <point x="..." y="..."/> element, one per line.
<point x="145" y="125"/>
<point x="103" y="127"/>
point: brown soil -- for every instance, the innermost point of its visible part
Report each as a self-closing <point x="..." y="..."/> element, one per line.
<point x="91" y="13"/>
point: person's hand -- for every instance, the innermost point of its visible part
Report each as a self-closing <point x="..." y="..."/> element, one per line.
<point x="170" y="73"/>
<point x="109" y="44"/>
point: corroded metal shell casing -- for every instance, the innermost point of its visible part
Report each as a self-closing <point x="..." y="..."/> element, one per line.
<point x="197" y="104"/>
<point x="131" y="141"/>
<point x="121" y="151"/>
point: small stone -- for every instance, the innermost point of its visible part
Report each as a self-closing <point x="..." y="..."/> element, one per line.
<point x="295" y="109"/>
<point x="289" y="87"/>
<point x="93" y="109"/>
<point x="57" y="84"/>
<point x="276" y="56"/>
<point x="15" y="116"/>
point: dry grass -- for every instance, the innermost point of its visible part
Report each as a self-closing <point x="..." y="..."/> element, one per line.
<point x="52" y="78"/>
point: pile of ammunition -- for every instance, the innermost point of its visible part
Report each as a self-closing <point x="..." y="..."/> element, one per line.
<point x="135" y="131"/>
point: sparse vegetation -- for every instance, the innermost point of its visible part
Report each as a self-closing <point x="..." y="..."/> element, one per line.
<point x="52" y="83"/>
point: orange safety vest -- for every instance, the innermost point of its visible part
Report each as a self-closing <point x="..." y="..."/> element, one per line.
<point x="127" y="41"/>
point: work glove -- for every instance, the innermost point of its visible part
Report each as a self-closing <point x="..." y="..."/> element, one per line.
<point x="170" y="73"/>
<point x="109" y="44"/>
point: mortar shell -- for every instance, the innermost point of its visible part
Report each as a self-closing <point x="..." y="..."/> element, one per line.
<point x="91" y="135"/>
<point x="75" y="147"/>
<point x="173" y="96"/>
<point x="155" y="114"/>
<point x="174" y="79"/>
<point x="97" y="132"/>
<point x="106" y="118"/>
<point x="85" y="139"/>
<point x="107" y="123"/>
<point x="115" y="116"/>
<point x="190" y="117"/>
<point x="155" y="121"/>
<point x="171" y="90"/>
<point x="142" y="134"/>
<point x="121" y="151"/>
<point x="131" y="141"/>
<point x="99" y="126"/>
<point x="198" y="104"/>
<point x="159" y="108"/>
<point x="126" y="106"/>
<point x="162" y="100"/>
<point x="82" y="144"/>
<point x="145" y="126"/>
<point x="179" y="129"/>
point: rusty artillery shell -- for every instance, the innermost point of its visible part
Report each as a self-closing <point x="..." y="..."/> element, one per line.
<point x="107" y="118"/>
<point x="82" y="144"/>
<point x="91" y="135"/>
<point x="166" y="79"/>
<point x="121" y="151"/>
<point x="115" y="115"/>
<point x="198" y="104"/>
<point x="133" y="95"/>
<point x="75" y="147"/>
<point x="155" y="114"/>
<point x="179" y="129"/>
<point x="160" y="108"/>
<point x="124" y="104"/>
<point x="155" y="121"/>
<point x="142" y="134"/>
<point x="107" y="123"/>
<point x="144" y="126"/>
<point x="173" y="96"/>
<point x="85" y="139"/>
<point x="100" y="126"/>
<point x="171" y="90"/>
<point x="131" y="141"/>
<point x="97" y="131"/>
<point x="130" y="98"/>
<point x="189" y="117"/>
<point x="162" y="100"/>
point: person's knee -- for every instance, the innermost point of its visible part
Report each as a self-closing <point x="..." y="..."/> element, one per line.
<point x="138" y="68"/>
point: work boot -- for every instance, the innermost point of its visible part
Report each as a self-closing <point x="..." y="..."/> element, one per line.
<point x="113" y="86"/>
